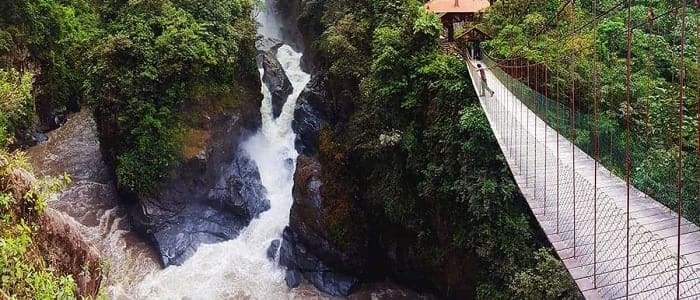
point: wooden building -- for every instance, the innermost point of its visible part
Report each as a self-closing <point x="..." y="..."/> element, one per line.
<point x="470" y="41"/>
<point x="457" y="11"/>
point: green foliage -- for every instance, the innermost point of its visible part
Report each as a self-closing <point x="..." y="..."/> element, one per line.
<point x="546" y="280"/>
<point x="158" y="59"/>
<point x="56" y="35"/>
<point x="24" y="274"/>
<point x="16" y="105"/>
<point x="417" y="148"/>
<point x="341" y="41"/>
<point x="141" y="63"/>
<point x="427" y="26"/>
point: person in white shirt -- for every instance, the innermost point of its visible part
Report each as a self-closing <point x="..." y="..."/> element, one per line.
<point x="484" y="86"/>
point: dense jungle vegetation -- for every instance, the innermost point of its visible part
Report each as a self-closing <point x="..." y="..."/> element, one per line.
<point x="569" y="39"/>
<point x="408" y="147"/>
<point x="52" y="34"/>
<point x="141" y="65"/>
<point x="415" y="140"/>
<point x="412" y="143"/>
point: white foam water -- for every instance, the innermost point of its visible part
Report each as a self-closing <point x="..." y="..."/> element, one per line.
<point x="240" y="269"/>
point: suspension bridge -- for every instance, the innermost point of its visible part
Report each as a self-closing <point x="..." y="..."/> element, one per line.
<point x="615" y="241"/>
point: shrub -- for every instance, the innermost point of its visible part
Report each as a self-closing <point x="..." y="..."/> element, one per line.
<point x="24" y="274"/>
<point x="16" y="105"/>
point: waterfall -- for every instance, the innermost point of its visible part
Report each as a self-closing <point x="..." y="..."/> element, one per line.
<point x="240" y="268"/>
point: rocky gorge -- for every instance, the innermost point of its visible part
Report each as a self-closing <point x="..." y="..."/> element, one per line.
<point x="331" y="151"/>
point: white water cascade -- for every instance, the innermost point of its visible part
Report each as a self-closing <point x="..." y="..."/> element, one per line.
<point x="240" y="269"/>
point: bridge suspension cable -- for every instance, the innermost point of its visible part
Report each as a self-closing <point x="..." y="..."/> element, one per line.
<point x="596" y="157"/>
<point x="681" y="91"/>
<point x="628" y="112"/>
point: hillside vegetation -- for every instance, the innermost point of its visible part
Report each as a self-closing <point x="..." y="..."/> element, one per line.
<point x="145" y="66"/>
<point x="409" y="149"/>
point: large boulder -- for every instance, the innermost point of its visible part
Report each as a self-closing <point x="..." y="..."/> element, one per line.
<point x="178" y="225"/>
<point x="267" y="44"/>
<point x="69" y="253"/>
<point x="276" y="81"/>
<point x="321" y="221"/>
<point x="177" y="236"/>
<point x="331" y="260"/>
<point x="210" y="197"/>
<point x="309" y="114"/>
<point x="241" y="189"/>
<point x="298" y="260"/>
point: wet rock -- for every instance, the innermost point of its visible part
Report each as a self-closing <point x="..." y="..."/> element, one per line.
<point x="307" y="245"/>
<point x="186" y="216"/>
<point x="335" y="284"/>
<point x="309" y="115"/>
<point x="294" y="255"/>
<point x="178" y="231"/>
<point x="69" y="253"/>
<point x="59" y="116"/>
<point x="273" y="250"/>
<point x="267" y="44"/>
<point x="199" y="162"/>
<point x="39" y="137"/>
<point x="297" y="258"/>
<point x="292" y="278"/>
<point x="212" y="196"/>
<point x="316" y="94"/>
<point x="311" y="213"/>
<point x="242" y="191"/>
<point x="276" y="81"/>
<point x="306" y="125"/>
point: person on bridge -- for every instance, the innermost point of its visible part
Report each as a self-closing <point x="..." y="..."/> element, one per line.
<point x="484" y="86"/>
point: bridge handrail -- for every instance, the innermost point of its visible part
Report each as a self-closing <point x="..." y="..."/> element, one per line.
<point x="558" y="116"/>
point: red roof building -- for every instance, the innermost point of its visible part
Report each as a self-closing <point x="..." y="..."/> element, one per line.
<point x="455" y="11"/>
<point x="457" y="6"/>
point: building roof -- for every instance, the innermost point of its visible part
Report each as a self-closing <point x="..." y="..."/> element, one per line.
<point x="474" y="33"/>
<point x="457" y="6"/>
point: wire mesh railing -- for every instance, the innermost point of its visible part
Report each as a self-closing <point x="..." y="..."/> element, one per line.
<point x="621" y="256"/>
<point x="659" y="183"/>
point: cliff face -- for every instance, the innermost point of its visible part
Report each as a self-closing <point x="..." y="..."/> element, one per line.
<point x="402" y="176"/>
<point x="49" y="114"/>
<point x="214" y="192"/>
<point x="340" y="213"/>
<point x="340" y="217"/>
<point x="171" y="110"/>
